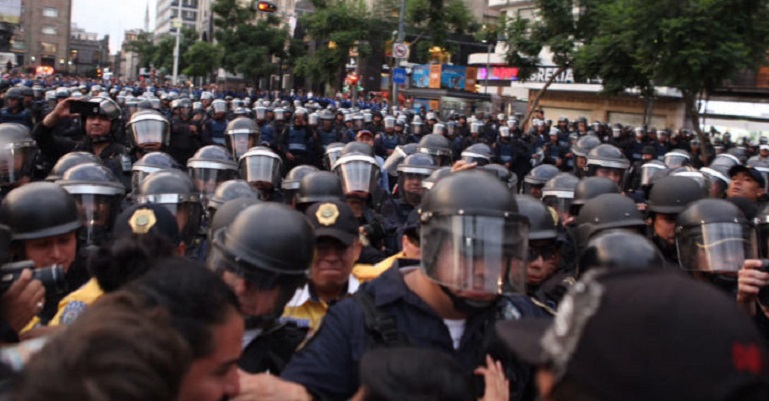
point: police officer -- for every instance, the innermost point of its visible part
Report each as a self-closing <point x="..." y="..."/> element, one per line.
<point x="668" y="197"/>
<point x="327" y="132"/>
<point x="261" y="167"/>
<point x="411" y="173"/>
<point x="186" y="134"/>
<point x="101" y="128"/>
<point x="292" y="182"/>
<point x="149" y="131"/>
<point x="217" y="123"/>
<point x="297" y="142"/>
<point x="605" y="212"/>
<point x="537" y="178"/>
<point x="264" y="268"/>
<point x="17" y="159"/>
<point x="386" y="142"/>
<point x="607" y="161"/>
<point x="14" y="111"/>
<point x="450" y="303"/>
<point x="321" y="186"/>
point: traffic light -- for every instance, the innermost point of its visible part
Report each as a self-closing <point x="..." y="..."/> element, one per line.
<point x="98" y="72"/>
<point x="352" y="78"/>
<point x="266" y="7"/>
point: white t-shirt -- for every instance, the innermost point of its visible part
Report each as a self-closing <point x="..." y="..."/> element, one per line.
<point x="456" y="330"/>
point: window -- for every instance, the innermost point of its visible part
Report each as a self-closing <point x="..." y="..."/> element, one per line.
<point x="49" y="30"/>
<point x="50" y="12"/>
<point x="47" y="48"/>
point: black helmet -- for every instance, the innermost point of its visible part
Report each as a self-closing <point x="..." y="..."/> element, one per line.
<point x="677" y="158"/>
<point x="429" y="182"/>
<point x="671" y="195"/>
<point x="293" y="181"/>
<point x="607" y="157"/>
<point x="558" y="192"/>
<point x="503" y="173"/>
<point x="98" y="194"/>
<point x="619" y="249"/>
<point x="358" y="172"/>
<point x="454" y="217"/>
<point x="585" y="144"/>
<point x="331" y="155"/>
<point x="438" y="147"/>
<point x="149" y="127"/>
<point x="261" y="165"/>
<point x="174" y="189"/>
<point x="726" y="161"/>
<point x="13" y="93"/>
<point x="270" y="246"/>
<point x="397" y="157"/>
<point x="712" y="235"/>
<point x="228" y="190"/>
<point x="652" y="171"/>
<point x="70" y="160"/>
<point x="210" y="166"/>
<point x="321" y="186"/>
<point x="536" y="179"/>
<point x="411" y="173"/>
<point x="227" y="212"/>
<point x="478" y="153"/>
<point x="590" y="187"/>
<point x="148" y="164"/>
<point x="17" y="154"/>
<point x="39" y="210"/>
<point x="605" y="212"/>
<point x="541" y="222"/>
<point x="241" y="135"/>
<point x="356" y="147"/>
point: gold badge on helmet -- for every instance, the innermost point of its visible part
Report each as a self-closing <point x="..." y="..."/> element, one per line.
<point x="142" y="221"/>
<point x="327" y="214"/>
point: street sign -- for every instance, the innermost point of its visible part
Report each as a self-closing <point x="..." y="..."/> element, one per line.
<point x="400" y="50"/>
<point x="399" y="76"/>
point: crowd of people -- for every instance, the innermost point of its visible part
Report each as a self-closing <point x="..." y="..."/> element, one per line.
<point x="189" y="245"/>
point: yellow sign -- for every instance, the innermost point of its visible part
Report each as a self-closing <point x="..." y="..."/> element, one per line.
<point x="327" y="214"/>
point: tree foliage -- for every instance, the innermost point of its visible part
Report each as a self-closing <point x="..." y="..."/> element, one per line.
<point x="202" y="58"/>
<point x="693" y="45"/>
<point x="160" y="55"/>
<point x="249" y="45"/>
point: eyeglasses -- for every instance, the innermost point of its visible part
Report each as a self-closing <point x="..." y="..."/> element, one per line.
<point x="547" y="252"/>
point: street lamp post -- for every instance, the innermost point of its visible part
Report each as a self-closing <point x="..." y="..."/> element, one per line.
<point x="401" y="34"/>
<point x="179" y="22"/>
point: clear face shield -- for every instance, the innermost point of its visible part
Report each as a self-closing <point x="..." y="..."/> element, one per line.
<point x="219" y="107"/>
<point x="650" y="172"/>
<point x="138" y="174"/>
<point x="97" y="212"/>
<point x="330" y="157"/>
<point x="389" y="122"/>
<point x="475" y="254"/>
<point x="441" y="157"/>
<point x="208" y="175"/>
<point x="410" y="183"/>
<point x="416" y="128"/>
<point x="560" y="201"/>
<point x="715" y="247"/>
<point x="260" y="168"/>
<point x="358" y="174"/>
<point x="675" y="160"/>
<point x="394" y="160"/>
<point x="280" y="114"/>
<point x="150" y="131"/>
<point x="186" y="208"/>
<point x="261" y="113"/>
<point x="238" y="142"/>
<point x="17" y="162"/>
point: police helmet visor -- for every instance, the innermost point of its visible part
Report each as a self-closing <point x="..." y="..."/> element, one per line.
<point x="330" y="157"/>
<point x="261" y="113"/>
<point x="410" y="183"/>
<point x="394" y="160"/>
<point x="416" y="128"/>
<point x="650" y="172"/>
<point x="441" y="157"/>
<point x="675" y="160"/>
<point x="206" y="176"/>
<point x="240" y="141"/>
<point x="150" y="131"/>
<point x="97" y="212"/>
<point x="561" y="204"/>
<point x="471" y="157"/>
<point x="260" y="168"/>
<point x="476" y="254"/>
<point x="358" y="175"/>
<point x="715" y="247"/>
<point x="219" y="107"/>
<point x="17" y="162"/>
<point x="615" y="174"/>
<point x="389" y="122"/>
<point x="280" y="115"/>
<point x="188" y="215"/>
<point x="534" y="190"/>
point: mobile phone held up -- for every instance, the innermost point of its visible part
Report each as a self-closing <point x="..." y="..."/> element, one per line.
<point x="83" y="108"/>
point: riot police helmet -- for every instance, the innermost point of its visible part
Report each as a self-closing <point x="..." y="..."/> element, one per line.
<point x="219" y="106"/>
<point x="356" y="147"/>
<point x="17" y="154"/>
<point x="293" y="181"/>
<point x="740" y="153"/>
<point x="652" y="171"/>
<point x="607" y="161"/>
<point x="398" y="155"/>
<point x="605" y="212"/>
<point x="590" y="187"/>
<point x="438" y="147"/>
<point x="321" y="186"/>
<point x="331" y="154"/>
<point x="226" y="213"/>
<point x="241" y="134"/>
<point x="359" y="173"/>
<point x="70" y="160"/>
<point x="558" y="192"/>
<point x="261" y="167"/>
<point x="584" y="145"/>
<point x="150" y="163"/>
<point x="470" y="242"/>
<point x="174" y="190"/>
<point x="677" y="158"/>
<point x="39" y="210"/>
<point x="149" y="128"/>
<point x="414" y="169"/>
<point x="713" y="235"/>
<point x="210" y="166"/>
<point x="536" y="179"/>
<point x="542" y="225"/>
<point x="502" y="173"/>
<point x="98" y="194"/>
<point x="671" y="195"/>
<point x="479" y="153"/>
<point x="228" y="190"/>
<point x="619" y="249"/>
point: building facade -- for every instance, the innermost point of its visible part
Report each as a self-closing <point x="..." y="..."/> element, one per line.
<point x="87" y="53"/>
<point x="168" y="10"/>
<point x="42" y="37"/>
<point x="128" y="66"/>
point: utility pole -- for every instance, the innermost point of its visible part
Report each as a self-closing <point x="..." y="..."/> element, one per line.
<point x="401" y="34"/>
<point x="179" y="22"/>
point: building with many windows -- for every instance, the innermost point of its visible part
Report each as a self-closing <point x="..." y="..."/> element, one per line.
<point x="42" y="37"/>
<point x="168" y="10"/>
<point x="87" y="53"/>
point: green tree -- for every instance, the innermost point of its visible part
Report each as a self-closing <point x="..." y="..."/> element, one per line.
<point x="249" y="45"/>
<point x="163" y="57"/>
<point x="560" y="26"/>
<point x="144" y="47"/>
<point x="693" y="45"/>
<point x="202" y="58"/>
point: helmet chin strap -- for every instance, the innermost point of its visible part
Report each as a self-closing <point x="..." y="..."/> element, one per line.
<point x="465" y="305"/>
<point x="100" y="138"/>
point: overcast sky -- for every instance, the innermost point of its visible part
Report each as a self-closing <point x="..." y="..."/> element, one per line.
<point x="112" y="17"/>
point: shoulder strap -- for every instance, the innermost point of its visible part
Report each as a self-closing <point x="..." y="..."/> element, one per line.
<point x="380" y="325"/>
